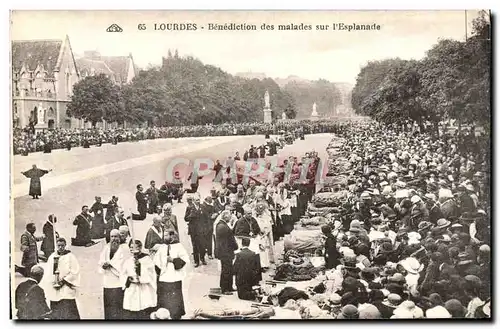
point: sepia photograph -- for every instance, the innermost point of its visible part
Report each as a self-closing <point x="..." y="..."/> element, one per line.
<point x="250" y="165"/>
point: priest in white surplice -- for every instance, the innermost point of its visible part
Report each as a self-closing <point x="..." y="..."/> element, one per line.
<point x="139" y="281"/>
<point x="172" y="260"/>
<point x="60" y="281"/>
<point x="111" y="263"/>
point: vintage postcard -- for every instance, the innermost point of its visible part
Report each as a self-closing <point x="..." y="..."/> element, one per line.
<point x="215" y="165"/>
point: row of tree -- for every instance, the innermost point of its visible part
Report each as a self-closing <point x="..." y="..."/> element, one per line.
<point x="451" y="82"/>
<point x="183" y="91"/>
<point x="322" y="92"/>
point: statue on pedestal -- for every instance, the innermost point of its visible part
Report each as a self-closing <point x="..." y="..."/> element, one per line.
<point x="267" y="109"/>
<point x="40" y="114"/>
<point x="283" y="116"/>
<point x="314" y="112"/>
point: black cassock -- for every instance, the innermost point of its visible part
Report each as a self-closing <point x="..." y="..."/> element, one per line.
<point x="83" y="230"/>
<point x="98" y="222"/>
<point x="248" y="273"/>
<point x="48" y="243"/>
<point x="35" y="184"/>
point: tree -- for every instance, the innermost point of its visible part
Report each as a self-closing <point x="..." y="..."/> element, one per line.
<point x="396" y="99"/>
<point x="96" y="98"/>
<point x="369" y="79"/>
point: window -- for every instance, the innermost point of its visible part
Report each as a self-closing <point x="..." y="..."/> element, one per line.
<point x="68" y="83"/>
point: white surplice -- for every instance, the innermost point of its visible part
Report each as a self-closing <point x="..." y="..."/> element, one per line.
<point x="139" y="295"/>
<point x="112" y="275"/>
<point x="168" y="272"/>
<point x="69" y="271"/>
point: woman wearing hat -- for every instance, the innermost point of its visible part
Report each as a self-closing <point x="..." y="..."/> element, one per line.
<point x="413" y="268"/>
<point x="388" y="305"/>
<point x="408" y="310"/>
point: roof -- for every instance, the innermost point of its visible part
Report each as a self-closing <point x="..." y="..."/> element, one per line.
<point x="31" y="53"/>
<point x="119" y="65"/>
<point x="86" y="65"/>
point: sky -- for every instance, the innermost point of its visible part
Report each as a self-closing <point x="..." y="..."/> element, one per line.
<point x="333" y="55"/>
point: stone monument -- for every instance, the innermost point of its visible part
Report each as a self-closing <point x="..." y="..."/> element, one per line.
<point x="268" y="118"/>
<point x="283" y="116"/>
<point x="314" y="114"/>
<point x="41" y="124"/>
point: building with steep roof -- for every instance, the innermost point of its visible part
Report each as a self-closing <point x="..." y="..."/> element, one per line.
<point x="43" y="75"/>
<point x="123" y="68"/>
<point x="89" y="67"/>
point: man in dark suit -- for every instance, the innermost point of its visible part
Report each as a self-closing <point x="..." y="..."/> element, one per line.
<point x="193" y="217"/>
<point x="29" y="249"/>
<point x="225" y="245"/>
<point x="142" y="203"/>
<point x="247" y="270"/>
<point x="30" y="299"/>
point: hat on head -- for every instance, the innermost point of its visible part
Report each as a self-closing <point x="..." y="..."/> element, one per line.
<point x="349" y="262"/>
<point x="474" y="280"/>
<point x="386" y="247"/>
<point x="392" y="300"/>
<point x="369" y="312"/>
<point x="397" y="277"/>
<point x="415" y="199"/>
<point x="430" y="196"/>
<point x="215" y="293"/>
<point x="414" y="238"/>
<point x="422" y="226"/>
<point x="445" y="238"/>
<point x="455" y="308"/>
<point x="349" y="312"/>
<point x="443" y="223"/>
<point x="435" y="299"/>
<point x="412" y="265"/>
<point x="335" y="299"/>
<point x="365" y="196"/>
<point x="160" y="314"/>
<point x="408" y="310"/>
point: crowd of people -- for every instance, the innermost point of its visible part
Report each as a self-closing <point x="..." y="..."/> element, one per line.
<point x="27" y="140"/>
<point x="407" y="237"/>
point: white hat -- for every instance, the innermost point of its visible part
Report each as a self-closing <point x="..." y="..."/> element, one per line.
<point x="392" y="175"/>
<point x="387" y="190"/>
<point x="431" y="196"/>
<point x="401" y="194"/>
<point x="160" y="314"/>
<point x="414" y="238"/>
<point x="414" y="199"/>
<point x="437" y="312"/>
<point x="445" y="193"/>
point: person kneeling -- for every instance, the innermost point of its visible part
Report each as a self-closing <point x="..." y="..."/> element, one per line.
<point x="247" y="270"/>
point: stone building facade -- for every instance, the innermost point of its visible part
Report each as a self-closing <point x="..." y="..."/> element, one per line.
<point x="43" y="75"/>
